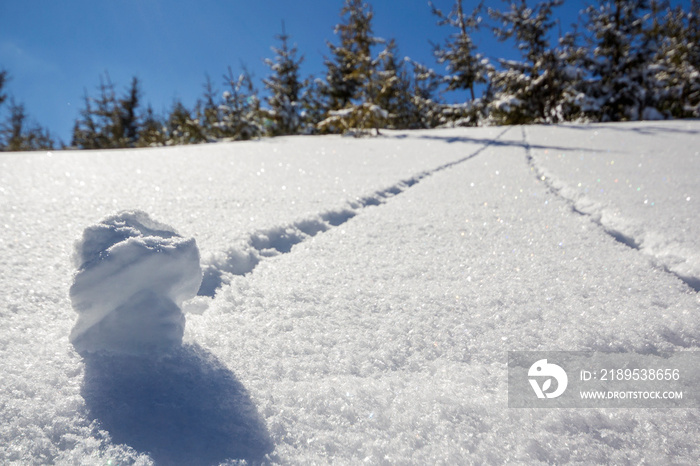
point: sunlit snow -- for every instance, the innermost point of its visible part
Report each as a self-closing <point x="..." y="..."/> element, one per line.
<point x="358" y="300"/>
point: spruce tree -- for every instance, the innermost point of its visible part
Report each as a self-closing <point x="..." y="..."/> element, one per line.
<point x="427" y="110"/>
<point x="181" y="127"/>
<point x="465" y="67"/>
<point x="17" y="135"/>
<point x="12" y="131"/>
<point x="240" y="109"/>
<point x="351" y="89"/>
<point x="571" y="60"/>
<point x="85" y="130"/>
<point x="530" y="90"/>
<point x="349" y="69"/>
<point x="127" y="129"/>
<point x="621" y="58"/>
<point x="208" y="112"/>
<point x="107" y="112"/>
<point x="314" y="105"/>
<point x="285" y="89"/>
<point x="106" y="121"/>
<point x="393" y="88"/>
<point x="676" y="64"/>
<point x="152" y="130"/>
<point x="3" y="80"/>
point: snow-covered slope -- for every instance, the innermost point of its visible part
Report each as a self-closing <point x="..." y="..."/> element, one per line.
<point x="639" y="182"/>
<point x="359" y="296"/>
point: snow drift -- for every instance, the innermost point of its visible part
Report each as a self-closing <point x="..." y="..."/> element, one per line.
<point x="133" y="275"/>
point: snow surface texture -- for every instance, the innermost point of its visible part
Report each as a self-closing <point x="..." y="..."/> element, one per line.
<point x="133" y="275"/>
<point x="361" y="296"/>
<point x="645" y="198"/>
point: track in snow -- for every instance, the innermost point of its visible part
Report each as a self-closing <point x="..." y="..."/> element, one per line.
<point x="280" y="239"/>
<point x="595" y="212"/>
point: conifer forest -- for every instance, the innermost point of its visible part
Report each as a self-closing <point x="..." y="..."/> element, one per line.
<point x="625" y="60"/>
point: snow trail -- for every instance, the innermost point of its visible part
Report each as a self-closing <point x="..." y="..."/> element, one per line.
<point x="678" y="257"/>
<point x="247" y="254"/>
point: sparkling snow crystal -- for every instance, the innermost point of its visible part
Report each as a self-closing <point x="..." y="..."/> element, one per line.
<point x="133" y="275"/>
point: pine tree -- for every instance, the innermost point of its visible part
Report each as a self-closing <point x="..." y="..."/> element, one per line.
<point x="571" y="60"/>
<point x="16" y="132"/>
<point x="152" y="130"/>
<point x="108" y="122"/>
<point x="17" y="135"/>
<point x="620" y="62"/>
<point x="181" y="127"/>
<point x="12" y="132"/>
<point x="349" y="69"/>
<point x="393" y="89"/>
<point x="240" y="109"/>
<point x="350" y="79"/>
<point x="85" y="130"/>
<point x="127" y="129"/>
<point x="208" y="112"/>
<point x="314" y="105"/>
<point x="285" y="89"/>
<point x="107" y="112"/>
<point x="466" y="68"/>
<point x="427" y="111"/>
<point x="340" y="85"/>
<point x="3" y="80"/>
<point x="530" y="90"/>
<point x="676" y="64"/>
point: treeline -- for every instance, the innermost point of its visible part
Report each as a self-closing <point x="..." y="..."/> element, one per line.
<point x="624" y="60"/>
<point x="17" y="132"/>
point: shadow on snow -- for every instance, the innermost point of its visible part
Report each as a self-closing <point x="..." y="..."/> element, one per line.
<point x="629" y="126"/>
<point x="185" y="408"/>
<point x="504" y="143"/>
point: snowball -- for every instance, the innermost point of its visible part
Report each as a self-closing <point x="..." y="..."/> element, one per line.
<point x="133" y="275"/>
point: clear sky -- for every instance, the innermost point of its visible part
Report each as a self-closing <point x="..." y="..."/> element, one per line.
<point x="54" y="50"/>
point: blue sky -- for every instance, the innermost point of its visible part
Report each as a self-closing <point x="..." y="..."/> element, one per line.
<point x="54" y="50"/>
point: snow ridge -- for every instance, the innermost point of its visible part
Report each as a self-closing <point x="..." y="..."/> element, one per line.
<point x="670" y="256"/>
<point x="242" y="258"/>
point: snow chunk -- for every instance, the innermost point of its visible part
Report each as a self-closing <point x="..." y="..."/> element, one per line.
<point x="133" y="275"/>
